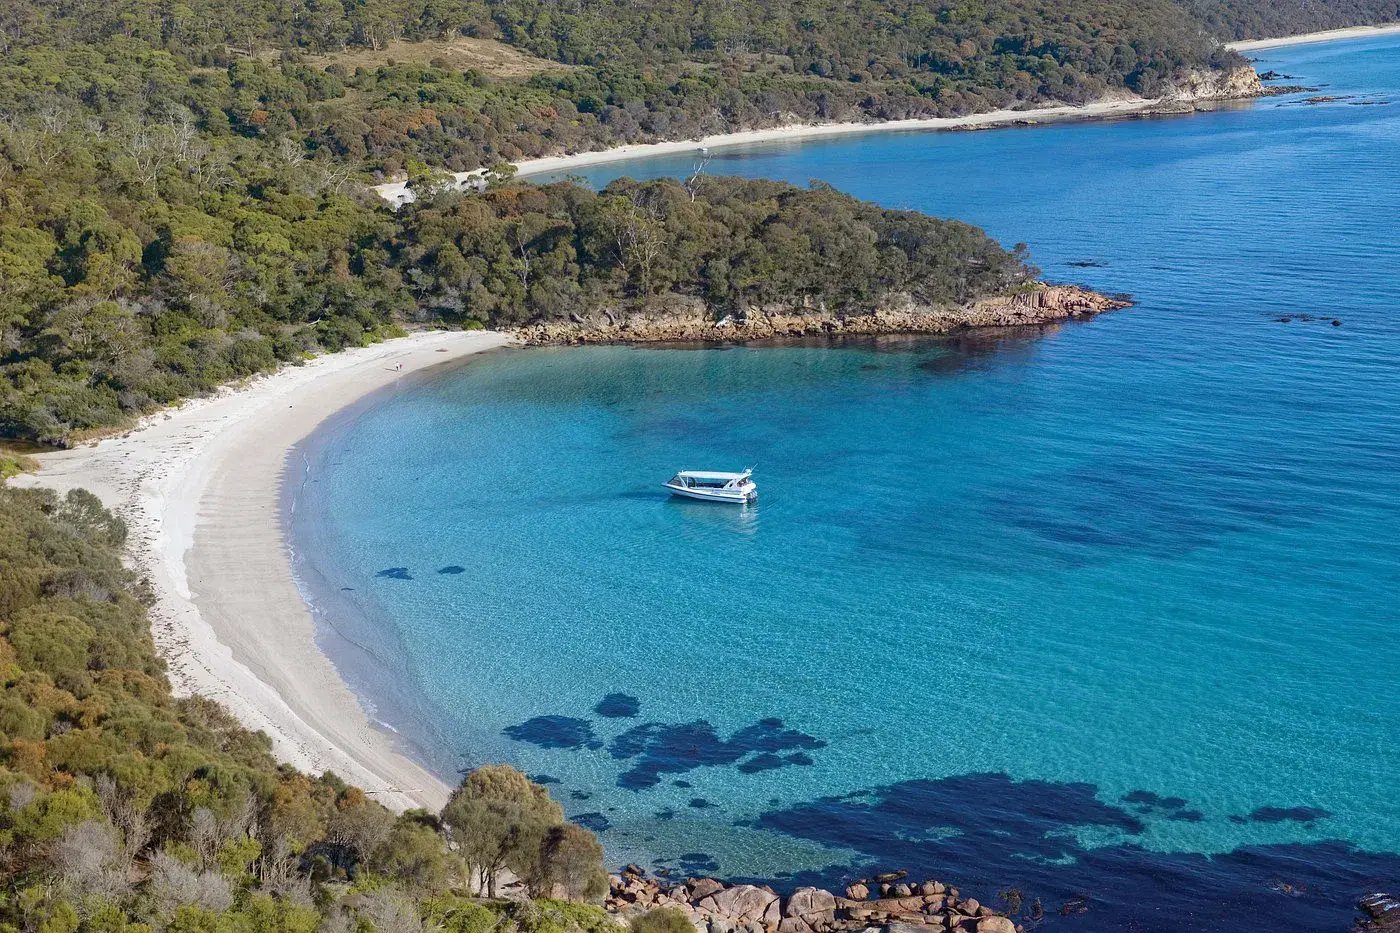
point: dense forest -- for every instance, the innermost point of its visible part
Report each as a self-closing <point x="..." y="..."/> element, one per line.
<point x="1251" y="19"/>
<point x="527" y="252"/>
<point x="626" y="71"/>
<point x="182" y="185"/>
<point x="124" y="809"/>
<point x="143" y="263"/>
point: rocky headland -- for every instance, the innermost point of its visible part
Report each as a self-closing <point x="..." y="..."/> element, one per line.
<point x="694" y="322"/>
<point x="1210" y="90"/>
<point x="1235" y="84"/>
<point x="889" y="903"/>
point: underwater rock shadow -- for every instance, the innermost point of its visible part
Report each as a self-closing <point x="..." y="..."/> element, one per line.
<point x="618" y="706"/>
<point x="554" y="732"/>
<point x="657" y="748"/>
<point x="594" y="821"/>
<point x="1165" y="808"/>
<point x="987" y="833"/>
<point x="1166" y="506"/>
<point x="1282" y="815"/>
<point x="662" y="748"/>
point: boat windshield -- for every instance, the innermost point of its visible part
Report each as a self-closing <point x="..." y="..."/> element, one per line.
<point x="708" y="480"/>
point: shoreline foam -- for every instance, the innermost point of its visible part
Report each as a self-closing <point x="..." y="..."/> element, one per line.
<point x="200" y="488"/>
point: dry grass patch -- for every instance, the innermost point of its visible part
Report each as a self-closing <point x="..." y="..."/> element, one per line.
<point x="485" y="55"/>
<point x="15" y="458"/>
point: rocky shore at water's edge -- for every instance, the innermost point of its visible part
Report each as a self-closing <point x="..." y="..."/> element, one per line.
<point x="887" y="902"/>
<point x="694" y="322"/>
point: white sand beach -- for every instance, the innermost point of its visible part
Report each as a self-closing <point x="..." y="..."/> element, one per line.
<point x="1098" y="110"/>
<point x="397" y="192"/>
<point x="200" y="488"/>
<point x="1327" y="35"/>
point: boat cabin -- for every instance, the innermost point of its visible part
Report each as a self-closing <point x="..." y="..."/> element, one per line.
<point x="714" y="486"/>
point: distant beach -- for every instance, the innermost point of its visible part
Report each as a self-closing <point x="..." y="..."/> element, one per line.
<point x="1126" y="105"/>
<point x="199" y="487"/>
<point x="1326" y="35"/>
<point x="1097" y="110"/>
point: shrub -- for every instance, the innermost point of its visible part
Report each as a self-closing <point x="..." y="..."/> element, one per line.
<point x="662" y="920"/>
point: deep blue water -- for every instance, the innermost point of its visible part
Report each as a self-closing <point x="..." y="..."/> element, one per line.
<point x="1106" y="610"/>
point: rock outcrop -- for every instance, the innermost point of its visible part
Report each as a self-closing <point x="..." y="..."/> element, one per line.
<point x="689" y="320"/>
<point x="1380" y="914"/>
<point x="1236" y="84"/>
<point x="715" y="907"/>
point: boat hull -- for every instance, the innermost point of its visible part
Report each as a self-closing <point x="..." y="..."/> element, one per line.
<point x="733" y="496"/>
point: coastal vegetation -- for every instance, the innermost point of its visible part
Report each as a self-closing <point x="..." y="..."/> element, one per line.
<point x="181" y="187"/>
<point x="625" y="72"/>
<point x="124" y="808"/>
<point x="524" y="253"/>
<point x="1249" y="19"/>
<point x="141" y="264"/>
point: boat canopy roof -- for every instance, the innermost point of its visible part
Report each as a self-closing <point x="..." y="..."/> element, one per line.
<point x="704" y="475"/>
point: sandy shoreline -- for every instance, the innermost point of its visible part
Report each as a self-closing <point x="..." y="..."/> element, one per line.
<point x="1099" y="110"/>
<point x="200" y="488"/>
<point x="1326" y="35"/>
<point x="396" y="192"/>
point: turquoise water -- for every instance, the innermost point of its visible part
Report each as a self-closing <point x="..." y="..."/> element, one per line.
<point x="1104" y="610"/>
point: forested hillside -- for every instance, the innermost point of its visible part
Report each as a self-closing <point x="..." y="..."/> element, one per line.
<point x="641" y="70"/>
<point x="143" y="261"/>
<point x="1251" y="19"/>
<point x="123" y="809"/>
<point x="182" y="185"/>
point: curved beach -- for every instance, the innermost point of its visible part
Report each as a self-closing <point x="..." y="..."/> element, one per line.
<point x="200" y="489"/>
<point x="1326" y="35"/>
<point x="1124" y="105"/>
<point x="1111" y="107"/>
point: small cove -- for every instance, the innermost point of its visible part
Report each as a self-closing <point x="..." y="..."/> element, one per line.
<point x="1104" y="609"/>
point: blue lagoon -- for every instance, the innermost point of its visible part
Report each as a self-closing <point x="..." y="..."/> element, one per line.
<point x="1109" y="609"/>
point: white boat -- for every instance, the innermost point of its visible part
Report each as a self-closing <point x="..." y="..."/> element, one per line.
<point x="714" y="487"/>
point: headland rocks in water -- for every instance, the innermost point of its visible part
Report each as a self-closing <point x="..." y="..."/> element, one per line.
<point x="888" y="902"/>
<point x="1044" y="304"/>
<point x="1380" y="913"/>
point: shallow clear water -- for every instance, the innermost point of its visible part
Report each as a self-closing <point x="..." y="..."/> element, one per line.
<point x="1066" y="611"/>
